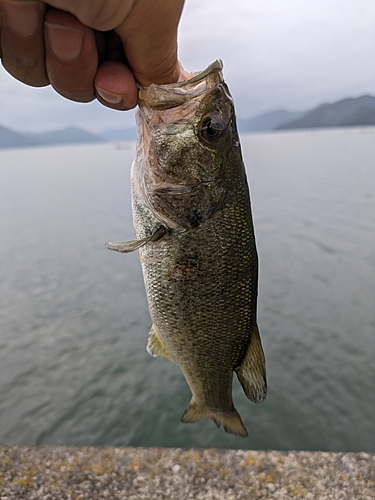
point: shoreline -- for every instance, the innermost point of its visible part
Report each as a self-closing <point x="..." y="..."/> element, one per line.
<point x="77" y="473"/>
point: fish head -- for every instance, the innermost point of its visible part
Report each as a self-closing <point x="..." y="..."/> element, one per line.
<point x="186" y="135"/>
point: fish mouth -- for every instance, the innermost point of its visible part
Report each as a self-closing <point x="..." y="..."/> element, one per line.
<point x="171" y="95"/>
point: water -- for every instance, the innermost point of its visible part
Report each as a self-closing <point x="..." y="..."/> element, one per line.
<point x="74" y="317"/>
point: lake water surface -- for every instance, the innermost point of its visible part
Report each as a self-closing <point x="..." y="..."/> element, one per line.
<point x="75" y="322"/>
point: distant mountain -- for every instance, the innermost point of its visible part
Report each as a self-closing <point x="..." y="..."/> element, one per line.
<point x="345" y="113"/>
<point x="267" y="121"/>
<point x="351" y="112"/>
<point x="11" y="139"/>
<point x="70" y="135"/>
<point x="118" y="135"/>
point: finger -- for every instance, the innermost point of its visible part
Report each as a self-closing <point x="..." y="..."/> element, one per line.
<point x="148" y="31"/>
<point x="115" y="86"/>
<point x="71" y="56"/>
<point x="114" y="51"/>
<point x="22" y="41"/>
<point x="114" y="83"/>
<point x="101" y="15"/>
<point x="149" y="37"/>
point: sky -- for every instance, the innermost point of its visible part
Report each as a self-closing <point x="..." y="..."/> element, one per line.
<point x="277" y="54"/>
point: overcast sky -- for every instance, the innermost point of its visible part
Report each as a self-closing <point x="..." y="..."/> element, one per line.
<point x="290" y="54"/>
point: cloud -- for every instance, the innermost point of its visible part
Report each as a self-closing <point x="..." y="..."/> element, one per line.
<point x="40" y="109"/>
<point x="277" y="54"/>
<point x="284" y="53"/>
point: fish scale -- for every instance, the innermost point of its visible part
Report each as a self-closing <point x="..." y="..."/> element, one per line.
<point x="196" y="243"/>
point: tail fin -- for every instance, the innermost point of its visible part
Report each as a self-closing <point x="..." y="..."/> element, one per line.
<point x="231" y="420"/>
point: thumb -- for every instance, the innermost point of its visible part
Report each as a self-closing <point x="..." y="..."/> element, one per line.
<point x="149" y="37"/>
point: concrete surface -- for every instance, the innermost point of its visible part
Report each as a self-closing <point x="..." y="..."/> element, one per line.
<point x="77" y="473"/>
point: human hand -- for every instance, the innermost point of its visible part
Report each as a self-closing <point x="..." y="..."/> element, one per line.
<point x="91" y="48"/>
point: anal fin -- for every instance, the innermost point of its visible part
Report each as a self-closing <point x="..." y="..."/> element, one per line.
<point x="155" y="345"/>
<point x="252" y="371"/>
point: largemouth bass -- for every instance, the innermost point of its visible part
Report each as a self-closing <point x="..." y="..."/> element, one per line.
<point x="194" y="232"/>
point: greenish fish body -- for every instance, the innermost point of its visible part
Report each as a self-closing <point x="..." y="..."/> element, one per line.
<point x="194" y="232"/>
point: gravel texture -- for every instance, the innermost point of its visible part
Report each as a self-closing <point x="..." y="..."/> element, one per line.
<point x="77" y="473"/>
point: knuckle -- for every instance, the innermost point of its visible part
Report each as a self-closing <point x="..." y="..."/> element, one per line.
<point x="104" y="16"/>
<point x="27" y="71"/>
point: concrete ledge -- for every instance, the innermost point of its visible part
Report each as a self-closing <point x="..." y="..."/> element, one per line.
<point x="71" y="473"/>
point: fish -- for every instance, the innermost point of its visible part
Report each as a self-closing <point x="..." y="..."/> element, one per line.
<point x="195" y="237"/>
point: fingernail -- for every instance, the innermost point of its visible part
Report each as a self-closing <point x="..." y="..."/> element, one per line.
<point x="66" y="43"/>
<point x="23" y="18"/>
<point x="108" y="96"/>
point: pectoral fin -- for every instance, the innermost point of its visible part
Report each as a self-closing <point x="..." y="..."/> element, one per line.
<point x="155" y="345"/>
<point x="252" y="371"/>
<point x="130" y="246"/>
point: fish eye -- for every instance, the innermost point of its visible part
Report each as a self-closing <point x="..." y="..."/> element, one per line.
<point x="212" y="128"/>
